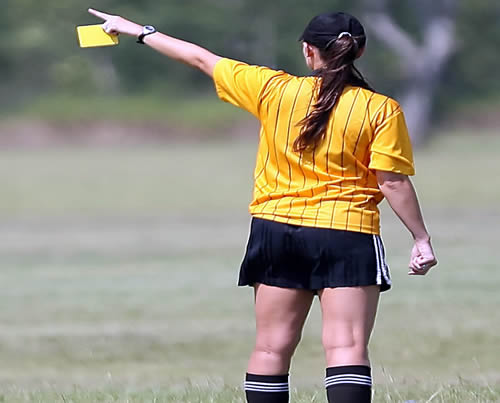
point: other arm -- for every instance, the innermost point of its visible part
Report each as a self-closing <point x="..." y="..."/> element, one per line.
<point x="179" y="50"/>
<point x="401" y="195"/>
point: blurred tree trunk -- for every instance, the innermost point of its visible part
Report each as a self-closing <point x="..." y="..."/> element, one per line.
<point x="423" y="63"/>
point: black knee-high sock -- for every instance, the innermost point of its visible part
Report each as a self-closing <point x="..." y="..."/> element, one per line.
<point x="266" y="389"/>
<point x="349" y="384"/>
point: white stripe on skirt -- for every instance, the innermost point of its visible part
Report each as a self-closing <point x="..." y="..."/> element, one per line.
<point x="382" y="267"/>
<point x="385" y="267"/>
<point x="378" y="257"/>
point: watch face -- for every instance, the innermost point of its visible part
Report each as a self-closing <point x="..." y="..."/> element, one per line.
<point x="148" y="29"/>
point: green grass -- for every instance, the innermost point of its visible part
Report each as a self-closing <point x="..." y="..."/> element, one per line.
<point x="174" y="111"/>
<point x="216" y="393"/>
<point x="118" y="269"/>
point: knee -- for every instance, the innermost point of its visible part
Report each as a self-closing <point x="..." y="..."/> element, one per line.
<point x="345" y="344"/>
<point x="283" y="344"/>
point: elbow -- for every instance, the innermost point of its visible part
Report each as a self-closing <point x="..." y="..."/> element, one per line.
<point x="391" y="182"/>
<point x="391" y="186"/>
<point x="198" y="62"/>
<point x="206" y="62"/>
<point x="203" y="60"/>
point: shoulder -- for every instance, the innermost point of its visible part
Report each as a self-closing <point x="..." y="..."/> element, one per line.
<point x="380" y="107"/>
<point x="375" y="99"/>
<point x="226" y="66"/>
<point x="376" y="105"/>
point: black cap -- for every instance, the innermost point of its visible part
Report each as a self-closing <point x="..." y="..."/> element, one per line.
<point x="324" y="29"/>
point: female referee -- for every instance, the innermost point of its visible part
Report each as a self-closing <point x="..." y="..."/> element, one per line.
<point x="330" y="150"/>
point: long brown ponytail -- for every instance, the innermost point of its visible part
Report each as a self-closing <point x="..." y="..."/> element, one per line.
<point x="338" y="72"/>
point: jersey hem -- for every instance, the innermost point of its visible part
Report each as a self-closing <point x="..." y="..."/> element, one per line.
<point x="318" y="224"/>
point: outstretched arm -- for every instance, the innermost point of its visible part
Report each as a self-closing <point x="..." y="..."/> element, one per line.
<point x="401" y="195"/>
<point x="182" y="51"/>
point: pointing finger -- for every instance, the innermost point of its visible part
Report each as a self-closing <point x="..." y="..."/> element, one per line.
<point x="99" y="14"/>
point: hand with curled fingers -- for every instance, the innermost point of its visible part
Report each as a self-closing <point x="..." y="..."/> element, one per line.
<point x="115" y="25"/>
<point x="422" y="258"/>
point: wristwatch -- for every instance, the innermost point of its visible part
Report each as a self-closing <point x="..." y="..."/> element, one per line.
<point x="146" y="30"/>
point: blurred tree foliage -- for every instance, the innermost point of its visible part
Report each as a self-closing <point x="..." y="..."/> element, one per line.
<point x="39" y="54"/>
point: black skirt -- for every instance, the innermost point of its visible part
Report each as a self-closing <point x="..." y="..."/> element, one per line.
<point x="292" y="256"/>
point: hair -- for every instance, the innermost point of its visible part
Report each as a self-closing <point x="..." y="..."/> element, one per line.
<point x="338" y="72"/>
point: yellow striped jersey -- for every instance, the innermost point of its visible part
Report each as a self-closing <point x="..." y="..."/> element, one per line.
<point x="334" y="186"/>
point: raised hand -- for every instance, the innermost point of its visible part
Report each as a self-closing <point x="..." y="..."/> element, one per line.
<point x="115" y="25"/>
<point x="177" y="49"/>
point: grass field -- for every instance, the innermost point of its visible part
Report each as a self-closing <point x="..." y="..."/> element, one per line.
<point x="174" y="112"/>
<point x="118" y="270"/>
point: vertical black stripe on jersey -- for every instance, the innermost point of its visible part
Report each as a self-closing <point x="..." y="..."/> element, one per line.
<point x="334" y="112"/>
<point x="264" y="204"/>
<point x="288" y="135"/>
<point x="313" y="158"/>
<point x="297" y="193"/>
<point x="317" y="177"/>
<point x="263" y="170"/>
<point x="328" y="155"/>
<point x="286" y="145"/>
<point x="368" y="174"/>
<point x="367" y="179"/>
<point x="367" y="115"/>
<point x="300" y="165"/>
<point x="394" y="112"/>
<point x="312" y="190"/>
<point x="355" y="159"/>
<point x="348" y="120"/>
<point x="377" y="111"/>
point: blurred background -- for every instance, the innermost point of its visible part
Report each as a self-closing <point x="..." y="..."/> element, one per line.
<point x="122" y="227"/>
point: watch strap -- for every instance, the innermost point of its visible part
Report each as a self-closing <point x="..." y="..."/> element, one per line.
<point x="147" y="30"/>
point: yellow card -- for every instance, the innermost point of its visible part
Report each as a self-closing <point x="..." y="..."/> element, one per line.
<point x="91" y="36"/>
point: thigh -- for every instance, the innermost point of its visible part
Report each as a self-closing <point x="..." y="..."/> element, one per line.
<point x="280" y="315"/>
<point x="348" y="319"/>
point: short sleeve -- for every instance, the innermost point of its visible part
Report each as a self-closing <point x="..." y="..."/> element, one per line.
<point x="241" y="84"/>
<point x="391" y="148"/>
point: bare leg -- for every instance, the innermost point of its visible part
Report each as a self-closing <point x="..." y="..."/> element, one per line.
<point x="280" y="316"/>
<point x="348" y="319"/>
